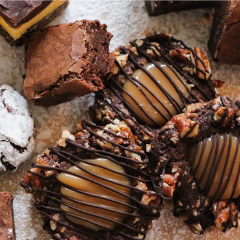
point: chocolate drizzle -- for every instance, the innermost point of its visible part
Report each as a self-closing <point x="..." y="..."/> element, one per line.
<point x="218" y="162"/>
<point x="186" y="193"/>
<point x="114" y="98"/>
<point x="135" y="170"/>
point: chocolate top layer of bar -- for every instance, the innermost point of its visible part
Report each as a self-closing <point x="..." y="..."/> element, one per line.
<point x="16" y="13"/>
<point x="165" y="6"/>
<point x="6" y="217"/>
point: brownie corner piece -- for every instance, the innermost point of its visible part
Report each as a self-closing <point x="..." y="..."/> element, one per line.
<point x="6" y="216"/>
<point x="224" y="42"/>
<point x="67" y="61"/>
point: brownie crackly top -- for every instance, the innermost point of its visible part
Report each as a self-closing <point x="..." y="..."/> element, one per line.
<point x="195" y="157"/>
<point x="154" y="79"/>
<point x="94" y="184"/>
<point x="67" y="61"/>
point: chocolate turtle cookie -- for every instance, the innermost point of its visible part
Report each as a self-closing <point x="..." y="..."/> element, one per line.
<point x="154" y="79"/>
<point x="94" y="184"/>
<point x="196" y="158"/>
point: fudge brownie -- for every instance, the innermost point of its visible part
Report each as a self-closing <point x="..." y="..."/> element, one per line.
<point x="16" y="129"/>
<point x="165" y="6"/>
<point x="196" y="158"/>
<point x="154" y="79"/>
<point x="224" y="44"/>
<point x="94" y="184"/>
<point x="18" y="18"/>
<point x="6" y="217"/>
<point x="67" y="61"/>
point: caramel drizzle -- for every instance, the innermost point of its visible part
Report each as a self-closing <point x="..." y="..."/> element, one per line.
<point x="195" y="219"/>
<point x="143" y="211"/>
<point x="114" y="86"/>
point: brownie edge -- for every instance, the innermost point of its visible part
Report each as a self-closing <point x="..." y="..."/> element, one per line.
<point x="67" y="61"/>
<point x="224" y="42"/>
<point x="6" y="217"/>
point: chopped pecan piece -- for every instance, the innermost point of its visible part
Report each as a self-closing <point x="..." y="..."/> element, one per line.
<point x="32" y="179"/>
<point x="222" y="212"/>
<point x="218" y="83"/>
<point x="169" y="183"/>
<point x="202" y="64"/>
<point x="184" y="125"/>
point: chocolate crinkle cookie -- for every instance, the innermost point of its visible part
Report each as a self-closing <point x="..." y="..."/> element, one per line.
<point x="16" y="129"/>
<point x="94" y="184"/>
<point x="154" y="79"/>
<point x="196" y="160"/>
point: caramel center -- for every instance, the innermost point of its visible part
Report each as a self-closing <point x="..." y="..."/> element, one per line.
<point x="159" y="104"/>
<point x="215" y="163"/>
<point x="90" y="216"/>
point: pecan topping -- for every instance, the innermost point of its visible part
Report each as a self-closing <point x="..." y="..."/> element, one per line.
<point x="169" y="183"/>
<point x="203" y="64"/>
<point x="223" y="213"/>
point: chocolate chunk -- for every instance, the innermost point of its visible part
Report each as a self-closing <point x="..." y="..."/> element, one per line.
<point x="195" y="161"/>
<point x="165" y="6"/>
<point x="19" y="18"/>
<point x="154" y="79"/>
<point x="67" y="61"/>
<point x="224" y="42"/>
<point x="6" y="217"/>
<point x="95" y="184"/>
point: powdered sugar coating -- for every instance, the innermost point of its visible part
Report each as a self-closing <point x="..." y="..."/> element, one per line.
<point x="16" y="128"/>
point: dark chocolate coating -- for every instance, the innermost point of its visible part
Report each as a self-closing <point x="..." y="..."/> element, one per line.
<point x="164" y="6"/>
<point x="224" y="44"/>
<point x="170" y="157"/>
<point x="46" y="190"/>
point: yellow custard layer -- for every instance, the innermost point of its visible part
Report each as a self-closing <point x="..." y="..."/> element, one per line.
<point x="16" y="33"/>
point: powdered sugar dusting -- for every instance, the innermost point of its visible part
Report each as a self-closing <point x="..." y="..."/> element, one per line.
<point x="126" y="20"/>
<point x="16" y="128"/>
